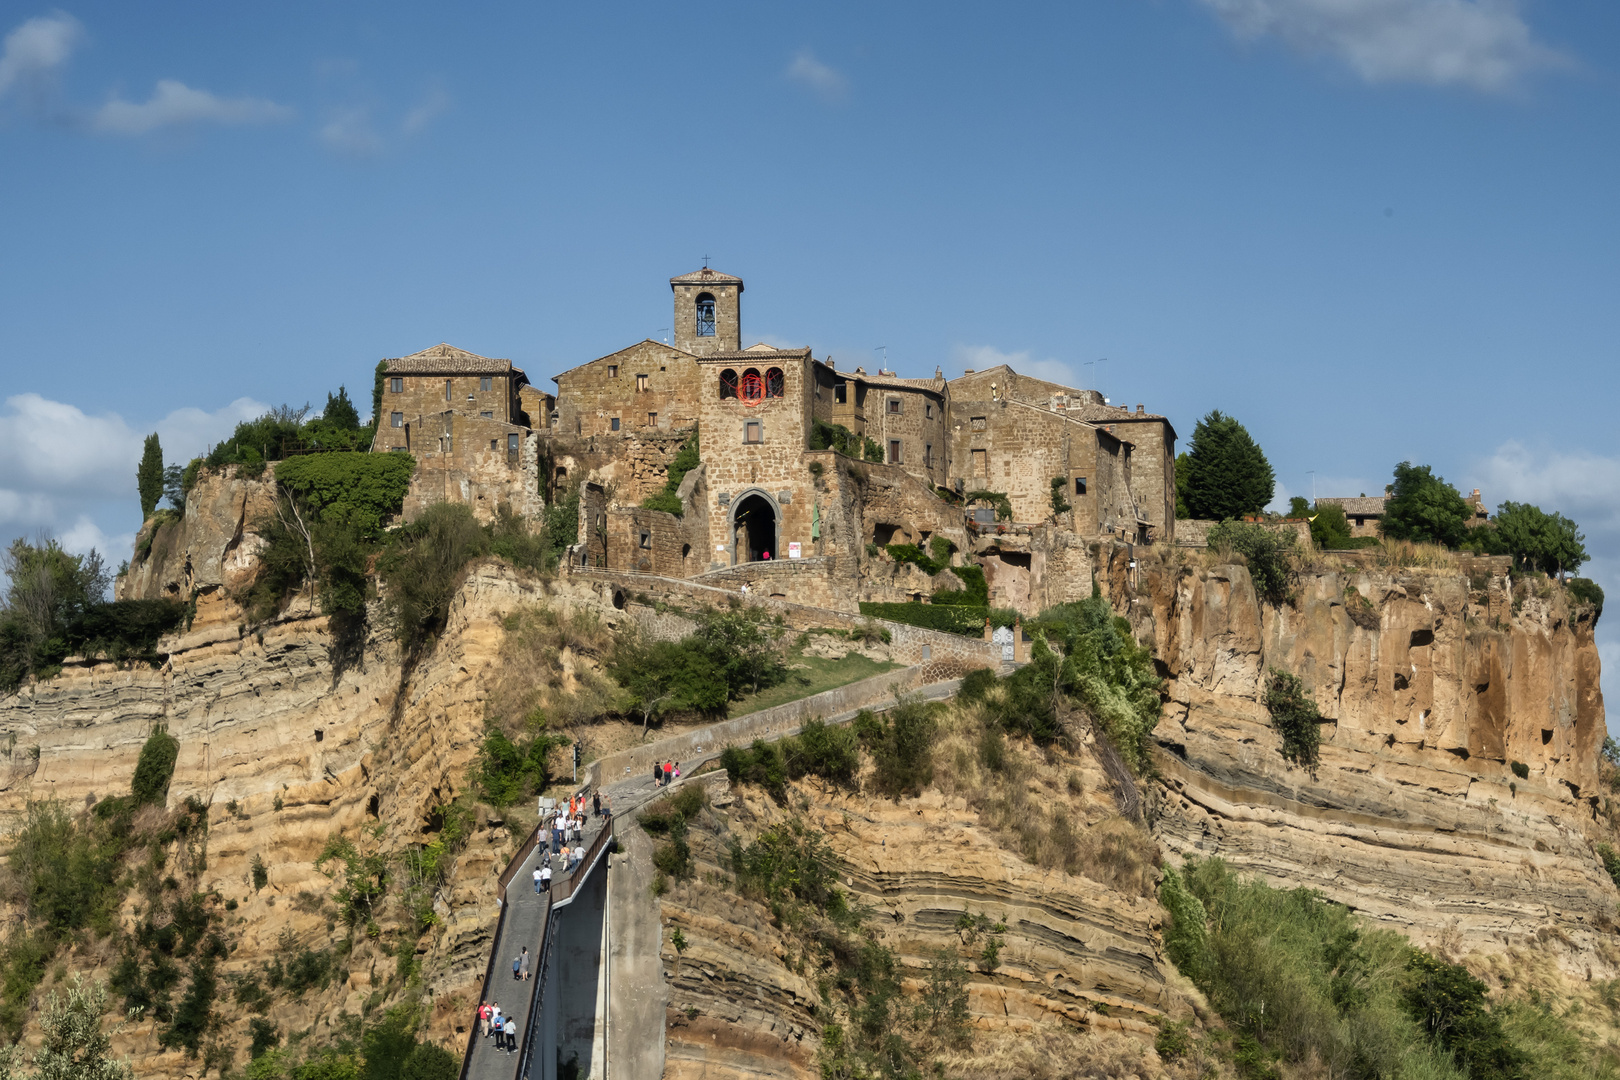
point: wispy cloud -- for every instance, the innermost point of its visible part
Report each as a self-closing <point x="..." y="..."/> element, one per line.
<point x="980" y="357"/>
<point x="37" y="48"/>
<point x="434" y="104"/>
<point x="349" y="132"/>
<point x="1481" y="45"/>
<point x="827" y="83"/>
<point x="174" y="103"/>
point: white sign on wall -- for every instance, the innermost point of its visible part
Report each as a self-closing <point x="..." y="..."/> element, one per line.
<point x="793" y="549"/>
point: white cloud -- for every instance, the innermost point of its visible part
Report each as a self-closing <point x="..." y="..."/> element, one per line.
<point x="1478" y="44"/>
<point x="37" y="48"/>
<point x="85" y="535"/>
<point x="174" y="103"/>
<point x="61" y="463"/>
<point x="980" y="357"/>
<point x="826" y="82"/>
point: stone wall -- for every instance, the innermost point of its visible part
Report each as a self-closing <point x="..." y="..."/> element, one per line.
<point x="606" y="396"/>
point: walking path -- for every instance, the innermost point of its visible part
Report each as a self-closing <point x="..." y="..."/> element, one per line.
<point x="525" y="916"/>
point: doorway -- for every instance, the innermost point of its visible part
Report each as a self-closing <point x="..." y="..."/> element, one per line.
<point x="754" y="529"/>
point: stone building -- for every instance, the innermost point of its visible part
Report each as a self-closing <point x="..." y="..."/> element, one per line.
<point x="1363" y="513"/>
<point x="807" y="471"/>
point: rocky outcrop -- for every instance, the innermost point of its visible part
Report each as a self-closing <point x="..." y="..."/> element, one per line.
<point x="1435" y="688"/>
<point x="211" y="547"/>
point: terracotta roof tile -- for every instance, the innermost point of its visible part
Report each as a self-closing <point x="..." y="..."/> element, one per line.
<point x="448" y="360"/>
<point x="1357" y="506"/>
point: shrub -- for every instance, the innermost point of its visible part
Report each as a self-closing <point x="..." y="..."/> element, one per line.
<point x="123" y="629"/>
<point x="1611" y="861"/>
<point x="1269" y="552"/>
<point x="1002" y="504"/>
<point x="671" y="818"/>
<point x="1059" y="497"/>
<point x="264" y="1036"/>
<point x="836" y="437"/>
<point x="155" y="768"/>
<point x="762" y="763"/>
<point x="911" y="553"/>
<point x="423" y="566"/>
<point x="365" y="878"/>
<point x="950" y="618"/>
<point x="791" y="868"/>
<point x="976" y="684"/>
<point x="362" y="489"/>
<point x="1449" y="1003"/>
<point x="901" y="743"/>
<point x="667" y="499"/>
<point x="507" y="771"/>
<point x="830" y="752"/>
<point x="1294" y="715"/>
<point x="1520" y="769"/>
<point x="1587" y="591"/>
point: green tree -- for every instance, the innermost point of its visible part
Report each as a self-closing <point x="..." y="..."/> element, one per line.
<point x="1423" y="508"/>
<point x="74" y="1046"/>
<point x="378" y="376"/>
<point x="1182" y="513"/>
<point x="1227" y="475"/>
<point x="340" y="411"/>
<point x="149" y="476"/>
<point x="1538" y="540"/>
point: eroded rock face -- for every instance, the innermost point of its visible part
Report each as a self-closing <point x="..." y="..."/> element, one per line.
<point x="211" y="548"/>
<point x="1432" y="686"/>
<point x="305" y="750"/>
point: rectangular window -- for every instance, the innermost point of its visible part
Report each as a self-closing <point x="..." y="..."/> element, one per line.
<point x="928" y="411"/>
<point x="839" y="394"/>
<point x="978" y="423"/>
<point x="487" y="415"/>
<point x="613" y="424"/>
<point x="894" y="451"/>
<point x="1079" y="485"/>
<point x="512" y="443"/>
<point x="894" y="406"/>
<point x="753" y="431"/>
<point x="484" y="382"/>
<point x="396" y="385"/>
<point x="396" y="419"/>
<point x="981" y="463"/>
<point x="613" y="371"/>
<point x="641" y="384"/>
<point x="492" y="443"/>
<point x="652" y="419"/>
<point x="928" y="456"/>
<point x="646" y="538"/>
<point x="1006" y="467"/>
<point x="447" y="389"/>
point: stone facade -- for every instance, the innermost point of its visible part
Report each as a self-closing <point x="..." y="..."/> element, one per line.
<point x="761" y="493"/>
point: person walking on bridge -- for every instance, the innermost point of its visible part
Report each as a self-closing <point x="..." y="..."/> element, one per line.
<point x="483" y="1015"/>
<point x="511" y="1035"/>
<point x="524" y="971"/>
<point x="537" y="877"/>
<point x="545" y="876"/>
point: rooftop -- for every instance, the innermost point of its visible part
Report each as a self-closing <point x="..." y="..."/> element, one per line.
<point x="444" y="359"/>
<point x="706" y="277"/>
<point x="1356" y="506"/>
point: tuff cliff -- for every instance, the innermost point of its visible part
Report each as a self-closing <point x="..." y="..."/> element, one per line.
<point x="1435" y="685"/>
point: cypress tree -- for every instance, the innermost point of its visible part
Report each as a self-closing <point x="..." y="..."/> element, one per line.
<point x="1227" y="475"/>
<point x="149" y="476"/>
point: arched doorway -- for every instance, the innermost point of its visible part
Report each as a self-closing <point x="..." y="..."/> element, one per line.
<point x="754" y="528"/>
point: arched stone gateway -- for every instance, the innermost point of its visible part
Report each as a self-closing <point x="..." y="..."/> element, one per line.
<point x="755" y="527"/>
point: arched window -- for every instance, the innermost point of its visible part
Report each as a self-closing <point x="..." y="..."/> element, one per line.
<point x="705" y="315"/>
<point x="751" y="388"/>
<point x="773" y="382"/>
<point x="728" y="384"/>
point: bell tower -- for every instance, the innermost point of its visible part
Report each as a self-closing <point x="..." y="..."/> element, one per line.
<point x="708" y="312"/>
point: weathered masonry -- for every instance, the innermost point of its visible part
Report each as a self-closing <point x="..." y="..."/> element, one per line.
<point x="798" y="460"/>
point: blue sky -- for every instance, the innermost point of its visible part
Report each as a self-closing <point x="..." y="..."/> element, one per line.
<point x="1374" y="230"/>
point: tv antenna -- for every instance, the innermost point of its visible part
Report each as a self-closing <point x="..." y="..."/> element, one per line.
<point x="884" y="349"/>
<point x="1312" y="473"/>
<point x="664" y="330"/>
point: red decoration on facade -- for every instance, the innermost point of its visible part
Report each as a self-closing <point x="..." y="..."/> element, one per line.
<point x="751" y="389"/>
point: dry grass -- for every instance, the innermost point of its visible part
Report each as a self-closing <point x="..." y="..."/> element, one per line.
<point x="1405" y="555"/>
<point x="551" y="669"/>
<point x="1063" y="1054"/>
<point x="1052" y="806"/>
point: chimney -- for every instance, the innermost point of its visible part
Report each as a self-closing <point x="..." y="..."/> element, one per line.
<point x="939" y="373"/>
<point x="1139" y="410"/>
<point x="967" y="371"/>
<point x="831" y="364"/>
